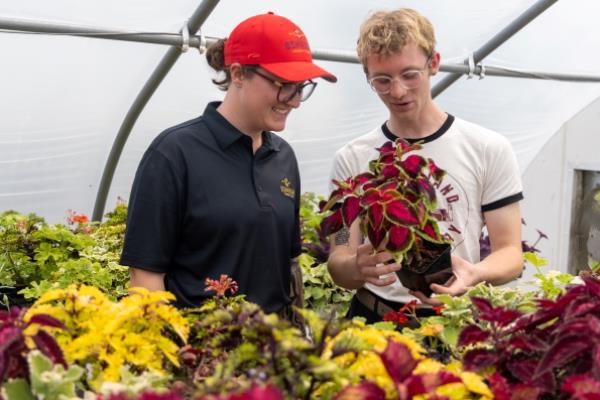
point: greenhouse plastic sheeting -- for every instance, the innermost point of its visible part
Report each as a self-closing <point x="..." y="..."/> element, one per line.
<point x="64" y="98"/>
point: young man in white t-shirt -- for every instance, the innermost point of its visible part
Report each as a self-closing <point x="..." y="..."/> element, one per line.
<point x="482" y="185"/>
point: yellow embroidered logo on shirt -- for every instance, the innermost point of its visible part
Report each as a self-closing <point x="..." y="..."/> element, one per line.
<point x="286" y="188"/>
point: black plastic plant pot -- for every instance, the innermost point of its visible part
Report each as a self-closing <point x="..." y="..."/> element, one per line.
<point x="419" y="277"/>
<point x="12" y="298"/>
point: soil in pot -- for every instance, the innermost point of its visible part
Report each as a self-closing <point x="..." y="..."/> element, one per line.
<point x="434" y="267"/>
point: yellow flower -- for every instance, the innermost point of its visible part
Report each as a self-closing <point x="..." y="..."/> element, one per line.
<point x="431" y="330"/>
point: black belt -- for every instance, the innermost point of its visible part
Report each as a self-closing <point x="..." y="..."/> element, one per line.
<point x="374" y="303"/>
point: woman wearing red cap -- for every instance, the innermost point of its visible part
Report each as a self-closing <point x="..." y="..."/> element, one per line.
<point x="220" y="194"/>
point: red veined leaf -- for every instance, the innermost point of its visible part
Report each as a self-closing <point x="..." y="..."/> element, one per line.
<point x="596" y="361"/>
<point x="504" y="316"/>
<point x="375" y="215"/>
<point x="562" y="352"/>
<point x="390" y="171"/>
<point x="333" y="223"/>
<point x="375" y="236"/>
<point x="363" y="178"/>
<point x="335" y="197"/>
<point x="401" y="212"/>
<point x="268" y="392"/>
<point x="483" y="305"/>
<point x="593" y="325"/>
<point x="371" y="196"/>
<point x="48" y="346"/>
<point x="546" y="382"/>
<point x="387" y="186"/>
<point x="403" y="144"/>
<point x="522" y="369"/>
<point x="428" y="382"/>
<point x="46" y="320"/>
<point x="400" y="239"/>
<point x="398" y="361"/>
<point x="350" y="210"/>
<point x="523" y="391"/>
<point x="413" y="165"/>
<point x="363" y="391"/>
<point x="526" y="343"/>
<point x="426" y="189"/>
<point x="499" y="387"/>
<point x="478" y="359"/>
<point x="430" y="232"/>
<point x="581" y="385"/>
<point x="436" y="172"/>
<point x="387" y="148"/>
<point x="472" y="334"/>
<point x="370" y="185"/>
<point x="593" y="285"/>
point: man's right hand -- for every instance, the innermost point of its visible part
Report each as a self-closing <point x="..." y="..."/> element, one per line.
<point x="375" y="268"/>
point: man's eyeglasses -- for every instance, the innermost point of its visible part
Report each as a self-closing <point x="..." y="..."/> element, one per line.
<point x="410" y="79"/>
<point x="287" y="90"/>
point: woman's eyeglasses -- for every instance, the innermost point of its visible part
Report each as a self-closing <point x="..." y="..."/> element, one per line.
<point x="287" y="90"/>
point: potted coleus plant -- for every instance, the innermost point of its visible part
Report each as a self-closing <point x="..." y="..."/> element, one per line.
<point x="397" y="207"/>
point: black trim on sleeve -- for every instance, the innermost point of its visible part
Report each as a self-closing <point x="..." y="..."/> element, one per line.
<point x="502" y="202"/>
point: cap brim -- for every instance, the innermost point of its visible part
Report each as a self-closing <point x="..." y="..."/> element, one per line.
<point x="298" y="71"/>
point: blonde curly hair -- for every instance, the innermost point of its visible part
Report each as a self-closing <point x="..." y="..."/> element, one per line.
<point x="387" y="32"/>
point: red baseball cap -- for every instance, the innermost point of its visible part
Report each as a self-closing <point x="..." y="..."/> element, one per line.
<point x="277" y="45"/>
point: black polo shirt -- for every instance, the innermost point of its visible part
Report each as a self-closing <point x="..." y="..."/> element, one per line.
<point x="202" y="204"/>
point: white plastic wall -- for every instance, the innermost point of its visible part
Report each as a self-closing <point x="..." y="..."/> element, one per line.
<point x="549" y="183"/>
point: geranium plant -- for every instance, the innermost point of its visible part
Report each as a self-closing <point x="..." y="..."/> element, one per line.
<point x="396" y="204"/>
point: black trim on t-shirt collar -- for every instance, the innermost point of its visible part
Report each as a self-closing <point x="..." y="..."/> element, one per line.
<point x="443" y="129"/>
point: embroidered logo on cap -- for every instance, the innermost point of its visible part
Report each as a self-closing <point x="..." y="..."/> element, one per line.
<point x="297" y="33"/>
<point x="286" y="188"/>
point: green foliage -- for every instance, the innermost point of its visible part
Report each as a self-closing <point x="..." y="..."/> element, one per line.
<point x="48" y="381"/>
<point x="440" y="332"/>
<point x="17" y="264"/>
<point x="234" y="344"/>
<point x="310" y="216"/>
<point x="38" y="256"/>
<point x="551" y="284"/>
<point x="133" y="383"/>
<point x="321" y="294"/>
<point x="17" y="389"/>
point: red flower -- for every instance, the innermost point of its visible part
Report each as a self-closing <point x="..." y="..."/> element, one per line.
<point x="411" y="307"/>
<point x="395" y="316"/>
<point x="221" y="286"/>
<point x="438" y="309"/>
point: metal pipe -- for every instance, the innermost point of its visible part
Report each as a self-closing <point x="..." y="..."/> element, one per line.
<point x="165" y="65"/>
<point x="176" y="39"/>
<point x="521" y="21"/>
<point x="20" y="25"/>
<point x="512" y="73"/>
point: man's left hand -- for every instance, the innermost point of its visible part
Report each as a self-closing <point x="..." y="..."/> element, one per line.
<point x="465" y="276"/>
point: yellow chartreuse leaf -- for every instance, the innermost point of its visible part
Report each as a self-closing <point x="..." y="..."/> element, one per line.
<point x="473" y="381"/>
<point x="105" y="336"/>
<point x="428" y="365"/>
<point x="367" y="364"/>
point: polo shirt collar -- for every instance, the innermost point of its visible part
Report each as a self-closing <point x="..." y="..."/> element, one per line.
<point x="226" y="134"/>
